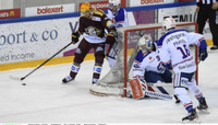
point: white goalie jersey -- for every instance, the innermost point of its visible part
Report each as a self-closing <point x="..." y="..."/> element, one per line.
<point x="149" y="62"/>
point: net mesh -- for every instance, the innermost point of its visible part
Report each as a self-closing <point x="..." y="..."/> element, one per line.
<point x="115" y="81"/>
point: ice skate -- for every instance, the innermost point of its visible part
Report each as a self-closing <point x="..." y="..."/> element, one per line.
<point x="177" y="99"/>
<point x="203" y="107"/>
<point x="67" y="79"/>
<point x="191" y="117"/>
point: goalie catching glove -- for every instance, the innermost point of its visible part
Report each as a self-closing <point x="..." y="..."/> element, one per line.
<point x="75" y="37"/>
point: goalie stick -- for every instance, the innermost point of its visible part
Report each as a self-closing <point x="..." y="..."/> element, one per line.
<point x="28" y="74"/>
<point x="140" y="89"/>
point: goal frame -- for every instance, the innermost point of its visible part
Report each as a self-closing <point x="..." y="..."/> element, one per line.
<point x="150" y="28"/>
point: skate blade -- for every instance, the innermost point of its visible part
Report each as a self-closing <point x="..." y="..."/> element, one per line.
<point x="203" y="111"/>
<point x="194" y="121"/>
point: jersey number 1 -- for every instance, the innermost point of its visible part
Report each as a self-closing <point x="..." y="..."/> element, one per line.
<point x="185" y="52"/>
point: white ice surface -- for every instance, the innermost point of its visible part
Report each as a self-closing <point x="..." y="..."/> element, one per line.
<point x="45" y="100"/>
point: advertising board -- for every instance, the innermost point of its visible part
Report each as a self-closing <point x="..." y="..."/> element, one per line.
<point x="148" y="2"/>
<point x="46" y="10"/>
<point x="35" y="40"/>
<point x="10" y="13"/>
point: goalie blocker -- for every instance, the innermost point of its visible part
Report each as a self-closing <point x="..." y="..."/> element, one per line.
<point x="140" y="89"/>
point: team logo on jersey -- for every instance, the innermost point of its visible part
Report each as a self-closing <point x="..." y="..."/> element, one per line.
<point x="151" y="59"/>
<point x="92" y="31"/>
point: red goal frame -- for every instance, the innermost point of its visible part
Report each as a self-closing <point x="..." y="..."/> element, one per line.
<point x="150" y="28"/>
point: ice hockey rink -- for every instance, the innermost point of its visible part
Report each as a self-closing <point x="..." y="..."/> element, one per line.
<point x="45" y="100"/>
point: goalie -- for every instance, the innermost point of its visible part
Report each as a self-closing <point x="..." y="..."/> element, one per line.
<point x="148" y="70"/>
<point x="147" y="65"/>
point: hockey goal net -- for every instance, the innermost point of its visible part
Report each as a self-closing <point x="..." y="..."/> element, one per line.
<point x="115" y="81"/>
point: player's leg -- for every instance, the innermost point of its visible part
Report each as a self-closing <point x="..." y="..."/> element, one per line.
<point x="167" y="76"/>
<point x="111" y="56"/>
<point x="152" y="77"/>
<point x="180" y="85"/>
<point x="99" y="59"/>
<point x="196" y="91"/>
<point x="80" y="54"/>
<point x="213" y="24"/>
<point x="201" y="19"/>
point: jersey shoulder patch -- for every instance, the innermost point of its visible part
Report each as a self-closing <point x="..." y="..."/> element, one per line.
<point x="140" y="56"/>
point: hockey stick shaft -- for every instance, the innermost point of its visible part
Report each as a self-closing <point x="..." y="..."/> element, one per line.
<point x="45" y="62"/>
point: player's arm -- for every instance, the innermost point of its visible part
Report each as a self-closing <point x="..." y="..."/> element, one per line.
<point x="199" y="40"/>
<point x="138" y="71"/>
<point x="163" y="52"/>
<point x="109" y="26"/>
<point x="202" y="49"/>
<point x="120" y="17"/>
<point x="80" y="31"/>
<point x="139" y="66"/>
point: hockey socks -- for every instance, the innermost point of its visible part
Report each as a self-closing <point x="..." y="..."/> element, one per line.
<point x="96" y="74"/>
<point x="73" y="73"/>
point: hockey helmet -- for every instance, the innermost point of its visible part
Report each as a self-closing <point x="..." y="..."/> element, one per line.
<point x="169" y="23"/>
<point x="114" y="5"/>
<point x="85" y="7"/>
<point x="146" y="43"/>
<point x="114" y="2"/>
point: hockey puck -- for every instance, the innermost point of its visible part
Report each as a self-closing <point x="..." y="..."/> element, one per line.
<point x="23" y="84"/>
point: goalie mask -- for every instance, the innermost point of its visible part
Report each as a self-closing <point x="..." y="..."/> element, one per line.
<point x="146" y="44"/>
<point x="114" y="5"/>
<point x="169" y="23"/>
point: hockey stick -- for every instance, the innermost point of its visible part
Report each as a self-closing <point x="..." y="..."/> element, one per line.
<point x="22" y="78"/>
<point x="158" y="95"/>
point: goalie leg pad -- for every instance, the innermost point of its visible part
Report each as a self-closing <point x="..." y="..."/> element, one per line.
<point x="136" y="89"/>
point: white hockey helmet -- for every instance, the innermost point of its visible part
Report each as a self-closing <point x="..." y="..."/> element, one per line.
<point x="169" y="23"/>
<point x="146" y="43"/>
<point x="114" y="2"/>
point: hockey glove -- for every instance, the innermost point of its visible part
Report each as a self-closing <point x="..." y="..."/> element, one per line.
<point x="168" y="66"/>
<point x="75" y="37"/>
<point x="202" y="54"/>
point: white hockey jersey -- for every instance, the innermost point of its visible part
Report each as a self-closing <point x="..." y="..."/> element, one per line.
<point x="119" y="18"/>
<point x="149" y="62"/>
<point x="174" y="48"/>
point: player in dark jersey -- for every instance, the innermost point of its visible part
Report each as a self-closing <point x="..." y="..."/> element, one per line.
<point x="92" y="25"/>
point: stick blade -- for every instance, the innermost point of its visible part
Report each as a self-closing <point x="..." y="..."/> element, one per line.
<point x="15" y="78"/>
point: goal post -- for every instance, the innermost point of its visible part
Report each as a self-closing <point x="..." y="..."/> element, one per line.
<point x="115" y="82"/>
